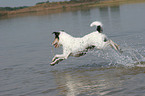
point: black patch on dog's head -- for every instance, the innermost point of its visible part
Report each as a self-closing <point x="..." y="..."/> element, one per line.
<point x="56" y="34"/>
<point x="99" y="29"/>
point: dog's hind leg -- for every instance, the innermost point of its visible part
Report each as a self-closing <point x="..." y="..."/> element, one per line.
<point x="79" y="54"/>
<point x="115" y="46"/>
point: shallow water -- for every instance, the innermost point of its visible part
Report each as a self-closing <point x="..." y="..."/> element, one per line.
<point x="26" y="51"/>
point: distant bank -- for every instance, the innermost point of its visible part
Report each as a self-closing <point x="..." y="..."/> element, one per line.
<point x="51" y="7"/>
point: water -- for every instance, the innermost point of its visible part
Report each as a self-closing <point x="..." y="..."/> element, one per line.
<point x="26" y="52"/>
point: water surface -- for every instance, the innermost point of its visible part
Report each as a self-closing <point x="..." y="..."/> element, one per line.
<point x="26" y="52"/>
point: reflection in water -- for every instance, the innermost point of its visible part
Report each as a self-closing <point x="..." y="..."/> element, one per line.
<point x="94" y="81"/>
<point x="115" y="12"/>
<point x="104" y="12"/>
<point x="110" y="14"/>
<point x="85" y="12"/>
<point x="115" y="17"/>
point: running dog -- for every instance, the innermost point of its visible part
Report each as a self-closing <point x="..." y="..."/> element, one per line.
<point x="76" y="47"/>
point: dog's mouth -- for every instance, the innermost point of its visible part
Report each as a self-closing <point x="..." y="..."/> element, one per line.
<point x="55" y="43"/>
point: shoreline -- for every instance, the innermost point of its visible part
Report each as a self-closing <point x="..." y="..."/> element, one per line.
<point x="56" y="7"/>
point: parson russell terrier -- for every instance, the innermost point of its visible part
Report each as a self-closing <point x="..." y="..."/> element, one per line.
<point x="76" y="46"/>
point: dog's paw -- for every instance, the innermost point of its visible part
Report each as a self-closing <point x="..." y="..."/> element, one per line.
<point x="51" y="64"/>
<point x="54" y="62"/>
<point x="54" y="58"/>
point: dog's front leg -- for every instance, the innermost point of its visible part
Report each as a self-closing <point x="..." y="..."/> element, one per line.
<point x="57" y="58"/>
<point x="56" y="61"/>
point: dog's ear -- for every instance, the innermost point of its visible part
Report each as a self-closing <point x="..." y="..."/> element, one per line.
<point x="56" y="34"/>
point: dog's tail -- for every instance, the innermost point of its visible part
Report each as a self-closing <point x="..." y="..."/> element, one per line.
<point x="98" y="25"/>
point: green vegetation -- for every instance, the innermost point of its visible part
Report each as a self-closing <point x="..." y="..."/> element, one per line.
<point x="83" y="0"/>
<point x="66" y="2"/>
<point x="11" y="8"/>
<point x="42" y="2"/>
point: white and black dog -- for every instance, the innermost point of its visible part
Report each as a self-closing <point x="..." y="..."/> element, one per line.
<point x="76" y="47"/>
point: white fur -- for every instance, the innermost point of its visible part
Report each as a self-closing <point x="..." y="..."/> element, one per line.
<point x="73" y="46"/>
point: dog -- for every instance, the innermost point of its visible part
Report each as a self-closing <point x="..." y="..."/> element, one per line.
<point x="77" y="47"/>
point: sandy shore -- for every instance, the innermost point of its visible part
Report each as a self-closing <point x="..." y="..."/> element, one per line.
<point x="64" y="6"/>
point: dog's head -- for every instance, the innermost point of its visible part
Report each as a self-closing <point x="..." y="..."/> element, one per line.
<point x="56" y="40"/>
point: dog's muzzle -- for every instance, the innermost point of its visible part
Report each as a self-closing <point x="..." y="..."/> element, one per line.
<point x="55" y="43"/>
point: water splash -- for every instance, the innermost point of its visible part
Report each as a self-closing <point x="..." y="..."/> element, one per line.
<point x="130" y="56"/>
